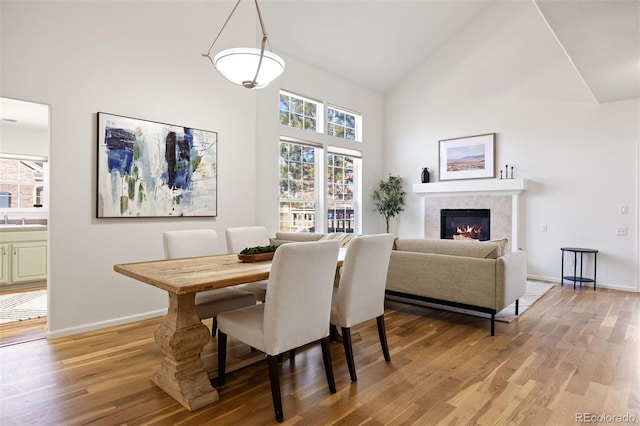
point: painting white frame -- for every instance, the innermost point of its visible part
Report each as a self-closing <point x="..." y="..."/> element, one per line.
<point x="469" y="157"/>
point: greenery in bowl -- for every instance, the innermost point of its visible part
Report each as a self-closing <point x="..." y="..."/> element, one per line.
<point x="259" y="250"/>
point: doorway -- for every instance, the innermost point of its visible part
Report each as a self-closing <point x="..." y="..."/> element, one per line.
<point x="24" y="219"/>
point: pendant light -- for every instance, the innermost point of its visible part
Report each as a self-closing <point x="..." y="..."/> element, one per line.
<point x="246" y="66"/>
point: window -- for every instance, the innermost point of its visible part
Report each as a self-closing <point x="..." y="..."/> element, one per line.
<point x="341" y="204"/>
<point x="318" y="195"/>
<point x="301" y="113"/>
<point x="343" y="124"/>
<point x="298" y="195"/>
<point x="21" y="182"/>
<point x="301" y="190"/>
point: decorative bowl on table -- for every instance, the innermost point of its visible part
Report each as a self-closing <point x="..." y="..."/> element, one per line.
<point x="257" y="254"/>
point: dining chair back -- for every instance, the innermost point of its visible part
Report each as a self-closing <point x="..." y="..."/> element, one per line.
<point x="204" y="242"/>
<point x="296" y="311"/>
<point x="361" y="290"/>
<point x="239" y="238"/>
<point x="190" y="243"/>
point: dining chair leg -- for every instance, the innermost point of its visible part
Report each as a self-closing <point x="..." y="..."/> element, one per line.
<point x="333" y="332"/>
<point x="348" y="352"/>
<point x="222" y="358"/>
<point x="328" y="365"/>
<point x="274" y="378"/>
<point x="383" y="338"/>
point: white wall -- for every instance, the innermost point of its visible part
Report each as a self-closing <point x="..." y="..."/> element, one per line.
<point x="506" y="74"/>
<point x="143" y="60"/>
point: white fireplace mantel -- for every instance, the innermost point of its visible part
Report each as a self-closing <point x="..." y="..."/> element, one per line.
<point x="471" y="187"/>
<point x="509" y="187"/>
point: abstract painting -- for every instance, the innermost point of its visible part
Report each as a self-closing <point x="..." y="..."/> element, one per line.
<point x="468" y="157"/>
<point x="150" y="169"/>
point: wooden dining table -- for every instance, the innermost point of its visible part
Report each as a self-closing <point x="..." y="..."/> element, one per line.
<point x="182" y="335"/>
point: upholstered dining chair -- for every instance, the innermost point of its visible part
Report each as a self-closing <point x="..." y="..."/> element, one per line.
<point x="204" y="242"/>
<point x="359" y="296"/>
<point x="239" y="238"/>
<point x="295" y="312"/>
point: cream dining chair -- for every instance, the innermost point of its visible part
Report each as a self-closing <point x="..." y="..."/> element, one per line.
<point x="295" y="313"/>
<point x="239" y="238"/>
<point x="204" y="242"/>
<point x="359" y="296"/>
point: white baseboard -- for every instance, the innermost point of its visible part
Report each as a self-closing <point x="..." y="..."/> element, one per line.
<point x="599" y="284"/>
<point x="104" y="324"/>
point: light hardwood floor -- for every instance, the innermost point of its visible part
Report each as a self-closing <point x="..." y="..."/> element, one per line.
<point x="573" y="353"/>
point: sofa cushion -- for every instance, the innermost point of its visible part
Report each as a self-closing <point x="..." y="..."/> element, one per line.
<point x="501" y="242"/>
<point x="486" y="250"/>
<point x="297" y="236"/>
<point x="343" y="237"/>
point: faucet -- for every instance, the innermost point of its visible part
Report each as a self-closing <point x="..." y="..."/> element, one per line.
<point x="6" y="218"/>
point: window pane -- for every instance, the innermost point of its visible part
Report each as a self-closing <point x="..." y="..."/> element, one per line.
<point x="302" y="113"/>
<point x="297" y="105"/>
<point x="297" y="175"/>
<point x="308" y="154"/>
<point x="284" y="117"/>
<point x="284" y="102"/>
<point x="21" y="183"/>
<point x="310" y="109"/>
<point x="343" y="124"/>
<point x="310" y="124"/>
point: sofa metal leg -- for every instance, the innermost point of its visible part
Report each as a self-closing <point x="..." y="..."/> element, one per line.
<point x="517" y="306"/>
<point x="493" y="324"/>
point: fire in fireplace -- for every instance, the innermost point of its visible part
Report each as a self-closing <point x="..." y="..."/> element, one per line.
<point x="469" y="223"/>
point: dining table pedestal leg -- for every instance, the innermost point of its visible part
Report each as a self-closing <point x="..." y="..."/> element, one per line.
<point x="181" y="337"/>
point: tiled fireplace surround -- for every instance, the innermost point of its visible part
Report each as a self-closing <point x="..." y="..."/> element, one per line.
<point x="500" y="196"/>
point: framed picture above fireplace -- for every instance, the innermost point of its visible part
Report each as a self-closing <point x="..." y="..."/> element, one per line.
<point x="469" y="157"/>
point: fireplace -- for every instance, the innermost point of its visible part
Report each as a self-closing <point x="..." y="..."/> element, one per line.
<point x="469" y="223"/>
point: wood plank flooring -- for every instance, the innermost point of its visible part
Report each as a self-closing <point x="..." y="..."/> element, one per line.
<point x="573" y="353"/>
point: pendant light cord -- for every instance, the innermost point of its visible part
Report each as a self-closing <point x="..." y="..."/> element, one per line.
<point x="208" y="54"/>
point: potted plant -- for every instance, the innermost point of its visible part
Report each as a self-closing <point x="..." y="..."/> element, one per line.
<point x="389" y="198"/>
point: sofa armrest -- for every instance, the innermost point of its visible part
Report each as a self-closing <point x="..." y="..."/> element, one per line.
<point x="511" y="278"/>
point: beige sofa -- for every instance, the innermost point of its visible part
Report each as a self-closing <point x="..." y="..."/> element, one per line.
<point x="471" y="275"/>
<point x="465" y="274"/>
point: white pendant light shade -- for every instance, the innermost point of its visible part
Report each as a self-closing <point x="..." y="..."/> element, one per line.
<point x="239" y="66"/>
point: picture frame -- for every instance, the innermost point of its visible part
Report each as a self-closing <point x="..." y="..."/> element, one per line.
<point x="469" y="157"/>
<point x="152" y="169"/>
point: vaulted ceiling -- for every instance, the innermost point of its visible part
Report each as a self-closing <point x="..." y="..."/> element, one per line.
<point x="377" y="43"/>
